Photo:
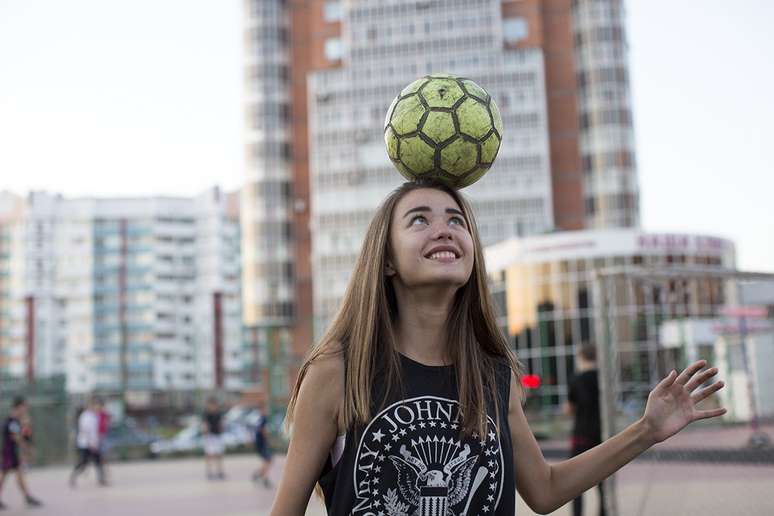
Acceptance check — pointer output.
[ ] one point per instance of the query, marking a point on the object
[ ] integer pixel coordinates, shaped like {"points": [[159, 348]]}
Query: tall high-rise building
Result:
{"points": [[30, 344], [273, 209], [606, 143], [139, 295], [320, 75]]}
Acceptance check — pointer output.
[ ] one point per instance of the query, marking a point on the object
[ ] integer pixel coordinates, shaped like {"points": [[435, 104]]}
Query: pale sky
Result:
{"points": [[106, 98]]}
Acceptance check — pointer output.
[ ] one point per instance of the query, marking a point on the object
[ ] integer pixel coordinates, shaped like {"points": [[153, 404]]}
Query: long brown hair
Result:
{"points": [[364, 328]]}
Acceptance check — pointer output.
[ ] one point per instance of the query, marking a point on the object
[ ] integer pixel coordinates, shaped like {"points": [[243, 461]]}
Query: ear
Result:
{"points": [[389, 269]]}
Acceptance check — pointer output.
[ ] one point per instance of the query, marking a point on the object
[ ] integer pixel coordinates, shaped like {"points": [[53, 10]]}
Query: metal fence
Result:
{"points": [[635, 310], [49, 412]]}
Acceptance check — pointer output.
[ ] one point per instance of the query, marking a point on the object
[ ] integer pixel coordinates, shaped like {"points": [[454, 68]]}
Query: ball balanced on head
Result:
{"points": [[443, 127]]}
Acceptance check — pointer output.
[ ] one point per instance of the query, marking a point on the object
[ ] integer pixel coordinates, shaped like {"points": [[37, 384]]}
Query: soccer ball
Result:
{"points": [[443, 127]]}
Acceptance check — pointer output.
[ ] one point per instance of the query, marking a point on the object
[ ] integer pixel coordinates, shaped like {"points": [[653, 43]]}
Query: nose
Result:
{"points": [[442, 232]]}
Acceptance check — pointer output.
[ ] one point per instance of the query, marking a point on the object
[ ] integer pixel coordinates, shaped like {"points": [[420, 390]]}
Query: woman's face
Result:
{"points": [[431, 243]]}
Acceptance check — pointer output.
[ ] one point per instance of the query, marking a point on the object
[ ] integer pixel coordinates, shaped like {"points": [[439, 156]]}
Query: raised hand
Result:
{"points": [[672, 403]]}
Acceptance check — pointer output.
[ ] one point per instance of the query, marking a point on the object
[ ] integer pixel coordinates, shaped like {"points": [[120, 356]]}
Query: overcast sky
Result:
{"points": [[103, 98]]}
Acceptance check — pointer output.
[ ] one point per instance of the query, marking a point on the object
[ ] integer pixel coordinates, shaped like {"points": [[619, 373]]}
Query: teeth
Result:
{"points": [[442, 254]]}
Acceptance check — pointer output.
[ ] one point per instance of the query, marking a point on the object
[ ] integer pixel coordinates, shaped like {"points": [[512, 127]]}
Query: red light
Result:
{"points": [[530, 381]]}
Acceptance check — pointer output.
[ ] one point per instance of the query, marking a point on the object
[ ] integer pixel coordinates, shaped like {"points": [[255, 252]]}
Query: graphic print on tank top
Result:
{"points": [[410, 462]]}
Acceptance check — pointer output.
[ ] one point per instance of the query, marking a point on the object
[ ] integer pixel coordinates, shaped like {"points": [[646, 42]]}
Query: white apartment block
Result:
{"points": [[384, 47], [122, 295]]}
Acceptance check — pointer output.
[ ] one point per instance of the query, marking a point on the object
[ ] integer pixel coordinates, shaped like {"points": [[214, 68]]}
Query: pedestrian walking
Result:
{"points": [[212, 430], [103, 426], [15, 449], [88, 443], [263, 451]]}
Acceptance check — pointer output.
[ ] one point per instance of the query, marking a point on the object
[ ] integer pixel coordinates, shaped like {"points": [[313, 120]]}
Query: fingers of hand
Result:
{"points": [[666, 382], [700, 378], [705, 414], [704, 393], [689, 371]]}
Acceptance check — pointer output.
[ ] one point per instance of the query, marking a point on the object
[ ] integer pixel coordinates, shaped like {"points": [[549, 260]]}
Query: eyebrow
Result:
{"points": [[427, 208]]}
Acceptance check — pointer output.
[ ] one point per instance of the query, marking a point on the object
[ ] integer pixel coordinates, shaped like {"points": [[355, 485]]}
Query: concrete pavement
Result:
{"points": [[179, 487]]}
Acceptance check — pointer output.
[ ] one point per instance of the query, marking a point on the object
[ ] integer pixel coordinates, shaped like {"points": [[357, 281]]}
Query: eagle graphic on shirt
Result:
{"points": [[411, 461]]}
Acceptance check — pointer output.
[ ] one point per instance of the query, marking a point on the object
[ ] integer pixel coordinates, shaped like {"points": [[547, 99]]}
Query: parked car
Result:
{"points": [[126, 440], [237, 433]]}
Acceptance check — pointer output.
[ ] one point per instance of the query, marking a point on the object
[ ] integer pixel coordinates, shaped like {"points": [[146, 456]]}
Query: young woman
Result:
{"points": [[411, 403]]}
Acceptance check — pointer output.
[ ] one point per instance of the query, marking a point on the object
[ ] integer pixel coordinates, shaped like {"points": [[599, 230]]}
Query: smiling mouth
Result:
{"points": [[443, 256]]}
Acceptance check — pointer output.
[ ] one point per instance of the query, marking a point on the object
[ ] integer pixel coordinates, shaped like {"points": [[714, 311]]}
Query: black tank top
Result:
{"points": [[409, 459]]}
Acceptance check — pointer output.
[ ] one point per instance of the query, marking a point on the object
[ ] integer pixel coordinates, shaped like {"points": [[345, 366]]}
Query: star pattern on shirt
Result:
{"points": [[489, 446]]}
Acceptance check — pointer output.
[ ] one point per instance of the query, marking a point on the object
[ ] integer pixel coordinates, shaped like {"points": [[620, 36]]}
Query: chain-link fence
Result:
{"points": [[49, 412], [649, 321]]}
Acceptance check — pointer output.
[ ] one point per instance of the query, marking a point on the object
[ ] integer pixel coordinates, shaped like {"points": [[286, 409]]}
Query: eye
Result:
{"points": [[457, 220], [418, 218]]}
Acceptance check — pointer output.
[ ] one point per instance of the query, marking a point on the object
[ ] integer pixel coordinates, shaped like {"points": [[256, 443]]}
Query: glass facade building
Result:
{"points": [[545, 287]]}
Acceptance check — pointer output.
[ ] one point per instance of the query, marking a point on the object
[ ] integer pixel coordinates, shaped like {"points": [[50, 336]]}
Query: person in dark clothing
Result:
{"points": [[263, 451], [13, 444], [583, 404], [212, 428]]}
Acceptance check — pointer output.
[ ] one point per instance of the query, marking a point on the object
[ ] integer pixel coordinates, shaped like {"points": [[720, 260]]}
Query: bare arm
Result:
{"points": [[19, 440], [670, 407], [315, 427]]}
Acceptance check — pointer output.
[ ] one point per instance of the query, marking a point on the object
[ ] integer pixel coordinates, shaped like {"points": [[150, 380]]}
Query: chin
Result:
{"points": [[446, 280]]}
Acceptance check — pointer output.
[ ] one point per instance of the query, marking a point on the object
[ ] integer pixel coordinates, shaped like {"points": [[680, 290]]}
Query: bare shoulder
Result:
{"points": [[515, 395], [323, 384], [327, 368]]}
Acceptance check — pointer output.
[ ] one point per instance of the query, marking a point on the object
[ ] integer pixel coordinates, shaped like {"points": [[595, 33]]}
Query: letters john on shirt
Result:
{"points": [[412, 461]]}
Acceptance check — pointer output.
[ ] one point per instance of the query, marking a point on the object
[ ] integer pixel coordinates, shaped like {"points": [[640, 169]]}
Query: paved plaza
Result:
{"points": [[178, 487]]}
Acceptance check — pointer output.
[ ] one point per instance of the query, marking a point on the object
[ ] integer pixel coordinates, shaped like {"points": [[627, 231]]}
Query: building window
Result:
{"points": [[333, 10], [515, 30], [334, 49]]}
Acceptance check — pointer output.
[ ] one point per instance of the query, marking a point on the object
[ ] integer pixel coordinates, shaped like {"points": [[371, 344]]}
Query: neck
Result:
{"points": [[584, 366], [421, 326]]}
